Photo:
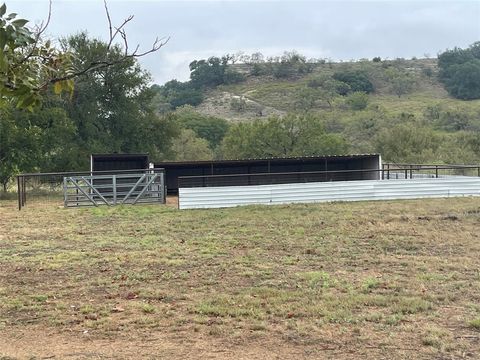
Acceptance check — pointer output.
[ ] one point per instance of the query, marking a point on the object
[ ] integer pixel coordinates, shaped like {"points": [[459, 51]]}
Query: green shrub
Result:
{"points": [[232, 77], [460, 71], [357, 100], [356, 79]]}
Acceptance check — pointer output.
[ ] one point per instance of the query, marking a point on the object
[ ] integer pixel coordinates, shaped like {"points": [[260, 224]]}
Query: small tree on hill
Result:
{"points": [[357, 80], [401, 82], [188, 146], [357, 100]]}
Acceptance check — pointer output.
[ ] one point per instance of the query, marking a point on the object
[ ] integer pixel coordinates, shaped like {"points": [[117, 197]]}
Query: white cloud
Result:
{"points": [[335, 29]]}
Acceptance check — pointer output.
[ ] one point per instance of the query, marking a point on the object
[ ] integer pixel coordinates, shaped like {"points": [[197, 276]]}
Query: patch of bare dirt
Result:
{"points": [[235, 107], [43, 343]]}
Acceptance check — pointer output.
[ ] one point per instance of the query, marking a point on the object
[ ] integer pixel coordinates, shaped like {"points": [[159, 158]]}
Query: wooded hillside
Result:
{"points": [[417, 110]]}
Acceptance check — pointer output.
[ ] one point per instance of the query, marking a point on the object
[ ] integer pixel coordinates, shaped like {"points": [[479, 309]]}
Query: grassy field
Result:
{"points": [[367, 280]]}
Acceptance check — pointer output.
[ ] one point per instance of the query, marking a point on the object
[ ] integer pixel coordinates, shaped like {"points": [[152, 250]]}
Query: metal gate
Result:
{"points": [[132, 188]]}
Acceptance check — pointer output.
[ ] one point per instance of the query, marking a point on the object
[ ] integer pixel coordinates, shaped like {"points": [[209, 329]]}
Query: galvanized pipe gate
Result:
{"points": [[147, 187]]}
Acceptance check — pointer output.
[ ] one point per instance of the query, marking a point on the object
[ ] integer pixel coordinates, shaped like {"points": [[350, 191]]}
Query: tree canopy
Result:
{"points": [[28, 63], [212, 72], [460, 71], [291, 135], [188, 146], [210, 128], [357, 80], [108, 110], [112, 107]]}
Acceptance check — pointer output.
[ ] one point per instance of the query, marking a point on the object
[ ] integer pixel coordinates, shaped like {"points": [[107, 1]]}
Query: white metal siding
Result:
{"points": [[228, 196]]}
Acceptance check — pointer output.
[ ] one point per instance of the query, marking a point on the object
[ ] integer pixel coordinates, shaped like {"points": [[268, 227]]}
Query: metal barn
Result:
{"points": [[105, 162], [282, 170]]}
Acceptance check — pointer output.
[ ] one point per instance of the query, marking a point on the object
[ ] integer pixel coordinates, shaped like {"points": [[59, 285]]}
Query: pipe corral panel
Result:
{"points": [[230, 196]]}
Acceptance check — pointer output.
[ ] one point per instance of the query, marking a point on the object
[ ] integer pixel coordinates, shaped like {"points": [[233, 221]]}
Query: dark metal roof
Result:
{"points": [[118, 154], [272, 159]]}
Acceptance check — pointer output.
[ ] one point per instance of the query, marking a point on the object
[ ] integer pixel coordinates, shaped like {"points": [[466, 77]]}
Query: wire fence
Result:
{"points": [[47, 189], [411, 171], [386, 173]]}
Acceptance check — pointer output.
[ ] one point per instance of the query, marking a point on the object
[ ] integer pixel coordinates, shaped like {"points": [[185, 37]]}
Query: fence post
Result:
{"points": [[24, 195], [65, 194], [19, 194], [163, 188], [436, 171], [114, 185]]}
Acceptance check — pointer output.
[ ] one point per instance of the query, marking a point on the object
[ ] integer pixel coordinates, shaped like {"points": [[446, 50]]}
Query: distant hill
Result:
{"points": [[264, 95], [399, 108]]}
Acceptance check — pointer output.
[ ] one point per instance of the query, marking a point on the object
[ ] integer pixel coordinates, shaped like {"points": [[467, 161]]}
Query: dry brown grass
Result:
{"points": [[391, 280]]}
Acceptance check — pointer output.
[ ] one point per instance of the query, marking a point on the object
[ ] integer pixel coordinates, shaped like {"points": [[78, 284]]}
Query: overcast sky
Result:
{"points": [[326, 29]]}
